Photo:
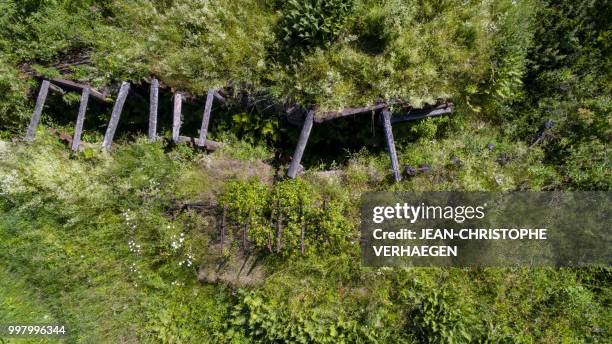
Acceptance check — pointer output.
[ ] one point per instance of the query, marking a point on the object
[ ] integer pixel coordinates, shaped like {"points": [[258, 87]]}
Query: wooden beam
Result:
{"points": [[38, 109], [219, 97], [206, 117], [192, 141], [327, 116], [223, 227], [386, 114], [176, 116], [153, 103], [301, 145], [116, 114], [423, 113], [433, 111], [279, 230], [56, 89], [78, 129], [303, 230], [79, 87]]}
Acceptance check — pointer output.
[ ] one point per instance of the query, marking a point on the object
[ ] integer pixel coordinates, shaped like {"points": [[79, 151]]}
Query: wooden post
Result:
{"points": [[40, 103], [391, 144], [206, 117], [176, 116], [279, 231], [303, 228], [78, 128], [301, 145], [114, 120], [223, 227], [153, 101], [270, 241], [244, 232]]}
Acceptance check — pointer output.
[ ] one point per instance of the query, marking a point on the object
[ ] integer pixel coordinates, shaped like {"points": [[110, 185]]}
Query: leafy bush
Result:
{"points": [[13, 98], [297, 206], [314, 22]]}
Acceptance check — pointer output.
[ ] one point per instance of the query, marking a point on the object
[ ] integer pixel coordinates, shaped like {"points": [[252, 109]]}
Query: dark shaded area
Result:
{"points": [[331, 143]]}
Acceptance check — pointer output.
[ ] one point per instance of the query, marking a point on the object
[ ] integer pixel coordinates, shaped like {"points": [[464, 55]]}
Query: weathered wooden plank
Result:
{"points": [[206, 118], [219, 97], [245, 229], [192, 141], [56, 89], [116, 114], [279, 231], [78, 128], [423, 113], [223, 219], [38, 109], [301, 145], [327, 116], [79, 87], [176, 116], [433, 111], [303, 229], [386, 114], [153, 103]]}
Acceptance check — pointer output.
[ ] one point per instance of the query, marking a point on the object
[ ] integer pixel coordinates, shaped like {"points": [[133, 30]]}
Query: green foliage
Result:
{"points": [[107, 244], [98, 232], [253, 204], [437, 316], [513, 28], [568, 85], [251, 127], [106, 253], [13, 98], [340, 53], [243, 150], [314, 22]]}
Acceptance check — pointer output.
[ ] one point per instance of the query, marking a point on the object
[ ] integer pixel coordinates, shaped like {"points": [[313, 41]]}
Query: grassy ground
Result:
{"points": [[96, 242]]}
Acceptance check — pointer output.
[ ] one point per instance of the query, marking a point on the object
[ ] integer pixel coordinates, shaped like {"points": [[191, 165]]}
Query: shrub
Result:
{"points": [[314, 22]]}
